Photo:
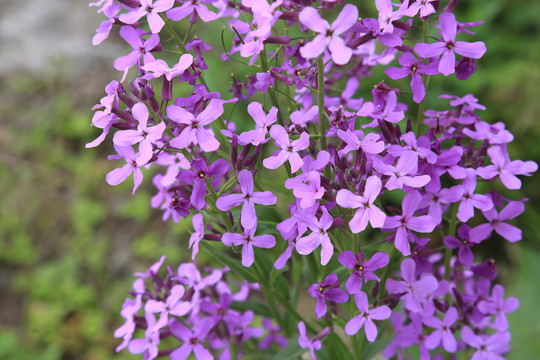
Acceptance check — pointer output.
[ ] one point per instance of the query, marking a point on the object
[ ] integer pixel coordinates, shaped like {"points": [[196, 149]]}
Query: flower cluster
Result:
{"points": [[348, 181], [191, 308]]}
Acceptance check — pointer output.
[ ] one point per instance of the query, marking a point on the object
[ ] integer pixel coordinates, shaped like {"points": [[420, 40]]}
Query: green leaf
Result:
{"points": [[289, 352], [340, 349], [257, 307], [233, 264]]}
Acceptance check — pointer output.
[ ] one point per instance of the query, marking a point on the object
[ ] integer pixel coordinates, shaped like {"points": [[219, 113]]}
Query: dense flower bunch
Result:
{"points": [[342, 163]]}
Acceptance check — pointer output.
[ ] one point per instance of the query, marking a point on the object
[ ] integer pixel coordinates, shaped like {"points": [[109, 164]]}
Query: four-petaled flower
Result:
{"points": [[448, 46], [248, 199], [366, 317], [328, 36]]}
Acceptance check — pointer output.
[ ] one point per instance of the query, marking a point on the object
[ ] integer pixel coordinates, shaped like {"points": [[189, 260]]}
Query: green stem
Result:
{"points": [[269, 295], [215, 197], [320, 96], [422, 105], [272, 92], [175, 36], [452, 232], [393, 255]]}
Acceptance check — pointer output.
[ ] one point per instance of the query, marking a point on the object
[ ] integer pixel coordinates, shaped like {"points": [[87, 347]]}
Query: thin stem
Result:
{"points": [[422, 105], [272, 93], [320, 95]]}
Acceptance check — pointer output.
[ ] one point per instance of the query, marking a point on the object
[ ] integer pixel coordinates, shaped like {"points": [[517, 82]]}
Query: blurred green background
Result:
{"points": [[69, 242]]}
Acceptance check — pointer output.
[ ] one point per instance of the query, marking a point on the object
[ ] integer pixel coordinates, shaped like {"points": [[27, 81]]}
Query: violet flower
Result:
{"points": [[443, 331], [403, 173], [415, 291], [289, 149], [141, 48], [356, 140], [496, 222], [192, 339], [198, 177], [118, 176], [327, 290], [412, 66], [498, 306], [262, 121], [311, 344], [145, 135], [328, 36], [191, 9], [172, 305], [463, 244], [248, 240], [366, 210], [448, 47], [362, 269], [366, 317], [407, 222], [319, 236], [469, 199], [248, 199], [151, 11], [197, 236], [506, 169], [195, 132], [487, 347], [274, 335]]}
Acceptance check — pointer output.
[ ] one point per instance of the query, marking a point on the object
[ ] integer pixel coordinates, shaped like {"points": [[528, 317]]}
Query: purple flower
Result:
{"points": [[118, 176], [469, 199], [356, 140], [506, 169], [362, 269], [192, 339], [366, 317], [448, 47], [289, 149], [498, 306], [407, 222], [248, 199], [327, 290], [319, 236], [400, 174], [172, 305], [197, 236], [145, 136], [311, 344], [328, 36], [309, 193], [262, 121], [198, 177], [507, 231], [192, 8], [366, 210], [443, 332], [387, 111], [141, 48], [463, 244], [195, 132], [151, 11], [413, 67], [248, 241], [416, 291], [487, 347], [274, 335], [148, 345], [160, 68]]}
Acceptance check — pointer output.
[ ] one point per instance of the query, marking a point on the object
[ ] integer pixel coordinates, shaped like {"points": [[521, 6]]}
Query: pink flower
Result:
{"points": [[328, 35]]}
